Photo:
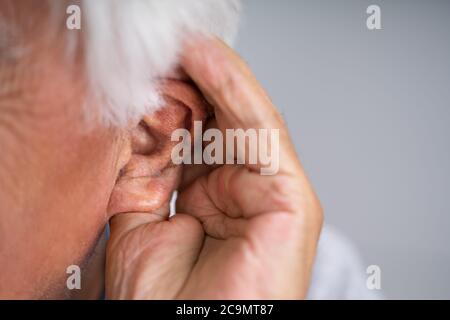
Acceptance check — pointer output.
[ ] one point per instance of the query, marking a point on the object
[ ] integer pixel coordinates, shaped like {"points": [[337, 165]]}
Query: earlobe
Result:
{"points": [[149, 178]]}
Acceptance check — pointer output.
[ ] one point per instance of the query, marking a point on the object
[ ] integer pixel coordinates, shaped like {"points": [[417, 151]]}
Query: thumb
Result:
{"points": [[121, 223]]}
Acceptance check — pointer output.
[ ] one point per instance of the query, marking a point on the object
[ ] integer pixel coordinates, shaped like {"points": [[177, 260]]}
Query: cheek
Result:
{"points": [[83, 184], [80, 192], [69, 182]]}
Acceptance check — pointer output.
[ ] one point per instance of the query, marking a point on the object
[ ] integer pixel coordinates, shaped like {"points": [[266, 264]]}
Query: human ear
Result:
{"points": [[148, 176]]}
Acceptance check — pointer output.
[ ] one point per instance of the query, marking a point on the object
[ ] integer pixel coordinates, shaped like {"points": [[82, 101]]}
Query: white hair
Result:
{"points": [[128, 45]]}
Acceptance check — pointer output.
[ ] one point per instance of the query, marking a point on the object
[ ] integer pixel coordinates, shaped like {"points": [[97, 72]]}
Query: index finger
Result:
{"points": [[238, 99], [228, 84]]}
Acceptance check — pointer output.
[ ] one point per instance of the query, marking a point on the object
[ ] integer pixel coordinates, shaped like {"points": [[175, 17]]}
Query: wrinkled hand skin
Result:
{"points": [[237, 234]]}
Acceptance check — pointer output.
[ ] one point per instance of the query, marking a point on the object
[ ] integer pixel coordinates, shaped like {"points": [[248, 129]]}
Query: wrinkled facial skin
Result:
{"points": [[55, 181], [61, 181]]}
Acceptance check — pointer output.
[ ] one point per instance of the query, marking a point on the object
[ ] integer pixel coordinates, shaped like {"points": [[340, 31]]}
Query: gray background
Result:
{"points": [[369, 112]]}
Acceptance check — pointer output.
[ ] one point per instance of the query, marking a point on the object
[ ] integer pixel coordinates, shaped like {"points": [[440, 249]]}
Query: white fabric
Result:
{"points": [[338, 271]]}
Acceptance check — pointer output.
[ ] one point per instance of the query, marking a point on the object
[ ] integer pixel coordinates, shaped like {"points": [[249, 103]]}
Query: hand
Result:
{"points": [[237, 234]]}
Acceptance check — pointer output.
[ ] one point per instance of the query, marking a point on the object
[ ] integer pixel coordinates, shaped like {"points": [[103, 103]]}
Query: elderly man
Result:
{"points": [[86, 117]]}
